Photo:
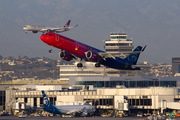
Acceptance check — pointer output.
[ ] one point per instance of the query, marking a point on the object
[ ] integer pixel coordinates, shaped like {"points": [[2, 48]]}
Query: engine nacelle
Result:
{"points": [[50, 30], [92, 56], [34, 31], [65, 56], [84, 113]]}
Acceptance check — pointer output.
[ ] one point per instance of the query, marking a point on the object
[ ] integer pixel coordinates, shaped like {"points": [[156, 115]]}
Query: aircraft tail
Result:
{"points": [[46, 102], [133, 58], [67, 24]]}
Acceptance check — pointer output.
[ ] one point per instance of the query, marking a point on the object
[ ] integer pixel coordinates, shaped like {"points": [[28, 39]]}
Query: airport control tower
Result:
{"points": [[118, 43]]}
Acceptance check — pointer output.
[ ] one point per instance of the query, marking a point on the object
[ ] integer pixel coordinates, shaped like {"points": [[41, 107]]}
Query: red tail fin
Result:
{"points": [[67, 24]]}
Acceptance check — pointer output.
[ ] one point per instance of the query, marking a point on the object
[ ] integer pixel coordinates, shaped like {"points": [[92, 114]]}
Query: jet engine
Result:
{"points": [[84, 113], [92, 56], [34, 31], [50, 30], [65, 56]]}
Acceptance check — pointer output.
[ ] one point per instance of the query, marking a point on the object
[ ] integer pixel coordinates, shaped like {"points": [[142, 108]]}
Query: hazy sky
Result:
{"points": [[152, 23]]}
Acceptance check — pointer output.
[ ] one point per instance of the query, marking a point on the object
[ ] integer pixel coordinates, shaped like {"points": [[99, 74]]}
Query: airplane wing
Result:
{"points": [[52, 29], [113, 55], [72, 26], [38, 108], [58, 29]]}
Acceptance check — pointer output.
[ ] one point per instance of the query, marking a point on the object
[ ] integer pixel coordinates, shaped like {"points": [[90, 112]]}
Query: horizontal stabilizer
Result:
{"points": [[144, 48], [141, 66]]}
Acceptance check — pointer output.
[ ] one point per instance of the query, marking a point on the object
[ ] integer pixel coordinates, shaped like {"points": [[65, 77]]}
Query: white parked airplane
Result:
{"points": [[43, 29], [71, 110]]}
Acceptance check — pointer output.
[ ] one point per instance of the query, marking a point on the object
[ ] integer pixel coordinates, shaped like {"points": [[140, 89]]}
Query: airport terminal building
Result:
{"points": [[127, 94]]}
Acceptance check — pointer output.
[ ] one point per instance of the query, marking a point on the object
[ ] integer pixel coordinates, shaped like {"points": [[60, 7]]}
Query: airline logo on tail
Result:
{"points": [[67, 25], [133, 58], [45, 100]]}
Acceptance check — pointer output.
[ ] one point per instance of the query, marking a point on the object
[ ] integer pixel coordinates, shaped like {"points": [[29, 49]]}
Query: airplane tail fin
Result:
{"points": [[133, 58], [67, 24], [46, 102]]}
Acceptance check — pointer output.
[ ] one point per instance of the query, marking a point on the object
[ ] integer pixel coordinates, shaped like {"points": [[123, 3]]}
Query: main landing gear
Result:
{"points": [[97, 65], [79, 64]]}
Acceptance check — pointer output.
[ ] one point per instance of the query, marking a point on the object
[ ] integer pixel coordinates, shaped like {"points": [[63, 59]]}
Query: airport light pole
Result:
{"points": [[154, 94]]}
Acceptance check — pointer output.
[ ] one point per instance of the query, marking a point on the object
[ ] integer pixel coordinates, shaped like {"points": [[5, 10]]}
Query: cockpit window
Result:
{"points": [[48, 34]]}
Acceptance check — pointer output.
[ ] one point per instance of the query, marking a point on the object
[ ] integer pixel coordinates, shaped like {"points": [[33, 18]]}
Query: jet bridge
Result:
{"points": [[169, 105]]}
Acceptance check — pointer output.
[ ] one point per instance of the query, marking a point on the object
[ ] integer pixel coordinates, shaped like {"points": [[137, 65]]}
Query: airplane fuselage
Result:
{"points": [[65, 109], [41, 28]]}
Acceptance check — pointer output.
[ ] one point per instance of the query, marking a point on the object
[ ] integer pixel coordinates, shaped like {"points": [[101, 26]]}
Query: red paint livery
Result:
{"points": [[76, 48]]}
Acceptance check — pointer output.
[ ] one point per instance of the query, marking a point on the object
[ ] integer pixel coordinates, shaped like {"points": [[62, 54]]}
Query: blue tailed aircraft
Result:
{"points": [[70, 110]]}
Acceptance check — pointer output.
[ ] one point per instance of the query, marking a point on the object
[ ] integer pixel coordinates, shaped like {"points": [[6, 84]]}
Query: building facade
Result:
{"points": [[175, 65], [127, 82], [2, 97], [88, 69]]}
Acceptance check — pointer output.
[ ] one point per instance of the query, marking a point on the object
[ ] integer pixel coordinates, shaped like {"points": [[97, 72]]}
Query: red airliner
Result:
{"points": [[74, 49]]}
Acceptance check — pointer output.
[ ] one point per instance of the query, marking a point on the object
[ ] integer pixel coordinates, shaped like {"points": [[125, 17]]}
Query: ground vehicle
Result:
{"points": [[139, 114], [37, 115], [177, 114], [22, 115]]}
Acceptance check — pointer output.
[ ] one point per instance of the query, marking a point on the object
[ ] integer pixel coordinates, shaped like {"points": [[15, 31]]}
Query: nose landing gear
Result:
{"points": [[50, 51]]}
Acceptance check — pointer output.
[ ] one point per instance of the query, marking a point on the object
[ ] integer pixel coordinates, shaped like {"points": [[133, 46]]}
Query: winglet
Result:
{"points": [[144, 48]]}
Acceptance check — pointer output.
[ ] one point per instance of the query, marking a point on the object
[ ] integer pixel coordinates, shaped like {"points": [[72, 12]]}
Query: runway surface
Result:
{"points": [[76, 118]]}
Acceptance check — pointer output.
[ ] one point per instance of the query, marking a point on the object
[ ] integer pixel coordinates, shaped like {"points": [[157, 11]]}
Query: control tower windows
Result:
{"points": [[118, 37], [108, 50], [118, 44]]}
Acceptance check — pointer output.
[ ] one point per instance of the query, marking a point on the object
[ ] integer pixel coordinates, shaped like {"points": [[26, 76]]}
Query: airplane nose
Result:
{"points": [[42, 38]]}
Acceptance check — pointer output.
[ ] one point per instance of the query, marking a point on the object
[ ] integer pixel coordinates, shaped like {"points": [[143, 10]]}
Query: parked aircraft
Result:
{"points": [[43, 29], [71, 110], [74, 49]]}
